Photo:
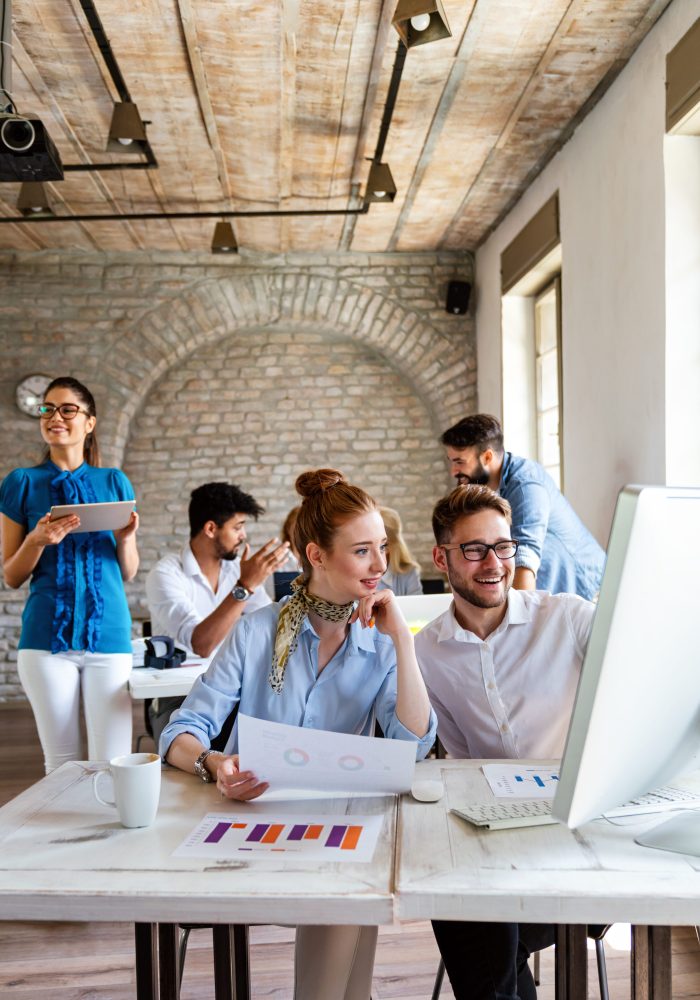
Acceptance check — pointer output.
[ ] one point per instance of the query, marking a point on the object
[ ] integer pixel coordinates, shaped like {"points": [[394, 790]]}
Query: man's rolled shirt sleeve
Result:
{"points": [[530, 506]]}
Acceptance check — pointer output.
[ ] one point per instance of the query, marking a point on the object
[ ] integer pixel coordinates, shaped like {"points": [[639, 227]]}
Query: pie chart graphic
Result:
{"points": [[296, 757], [349, 762]]}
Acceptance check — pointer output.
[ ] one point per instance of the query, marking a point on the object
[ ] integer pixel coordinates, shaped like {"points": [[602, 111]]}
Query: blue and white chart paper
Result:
{"points": [[515, 781], [293, 757]]}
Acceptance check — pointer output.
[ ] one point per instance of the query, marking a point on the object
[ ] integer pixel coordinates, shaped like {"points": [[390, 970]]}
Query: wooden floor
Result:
{"points": [[45, 961]]}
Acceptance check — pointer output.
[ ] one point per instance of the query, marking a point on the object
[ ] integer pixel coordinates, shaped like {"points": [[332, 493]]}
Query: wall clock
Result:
{"points": [[30, 392]]}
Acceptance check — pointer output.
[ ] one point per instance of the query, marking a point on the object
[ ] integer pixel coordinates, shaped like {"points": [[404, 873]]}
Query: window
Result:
{"points": [[548, 379]]}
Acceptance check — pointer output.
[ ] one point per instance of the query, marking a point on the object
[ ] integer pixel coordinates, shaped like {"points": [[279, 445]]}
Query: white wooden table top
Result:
{"points": [[145, 682], [448, 869], [63, 856]]}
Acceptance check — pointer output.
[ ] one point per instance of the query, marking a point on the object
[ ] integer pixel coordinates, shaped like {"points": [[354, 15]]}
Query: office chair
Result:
{"points": [[146, 633], [596, 932]]}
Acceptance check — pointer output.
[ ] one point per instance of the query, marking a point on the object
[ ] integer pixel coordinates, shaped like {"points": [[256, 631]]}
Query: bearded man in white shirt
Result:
{"points": [[501, 668], [196, 596]]}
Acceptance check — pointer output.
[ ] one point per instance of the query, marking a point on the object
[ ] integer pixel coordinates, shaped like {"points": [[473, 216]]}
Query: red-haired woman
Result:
{"points": [[76, 628], [334, 656]]}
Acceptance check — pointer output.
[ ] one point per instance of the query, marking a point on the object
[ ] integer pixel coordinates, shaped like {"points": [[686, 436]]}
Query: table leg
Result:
{"points": [[651, 963], [231, 969], [146, 954], [571, 963], [168, 935]]}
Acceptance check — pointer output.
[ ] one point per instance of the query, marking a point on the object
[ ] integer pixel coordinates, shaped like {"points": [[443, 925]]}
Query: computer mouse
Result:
{"points": [[427, 791]]}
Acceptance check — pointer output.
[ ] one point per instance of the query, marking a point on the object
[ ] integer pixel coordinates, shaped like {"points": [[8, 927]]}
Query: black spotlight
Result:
{"points": [[26, 150]]}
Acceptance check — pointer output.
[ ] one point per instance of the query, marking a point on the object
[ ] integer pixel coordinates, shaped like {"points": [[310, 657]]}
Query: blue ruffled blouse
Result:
{"points": [[76, 593]]}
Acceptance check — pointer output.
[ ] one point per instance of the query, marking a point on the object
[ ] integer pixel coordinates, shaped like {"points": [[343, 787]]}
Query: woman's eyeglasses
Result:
{"points": [[69, 411], [477, 551]]}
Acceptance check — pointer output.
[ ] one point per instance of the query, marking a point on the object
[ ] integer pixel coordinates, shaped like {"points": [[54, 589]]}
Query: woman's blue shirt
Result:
{"points": [[76, 596]]}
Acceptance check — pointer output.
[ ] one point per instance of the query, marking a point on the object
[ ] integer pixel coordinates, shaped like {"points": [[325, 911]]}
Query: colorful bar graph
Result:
{"points": [[341, 838], [335, 837], [257, 833], [217, 833], [351, 838], [273, 833]]}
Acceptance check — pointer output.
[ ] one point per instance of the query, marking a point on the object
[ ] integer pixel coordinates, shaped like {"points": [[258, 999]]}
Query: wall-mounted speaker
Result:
{"points": [[458, 293]]}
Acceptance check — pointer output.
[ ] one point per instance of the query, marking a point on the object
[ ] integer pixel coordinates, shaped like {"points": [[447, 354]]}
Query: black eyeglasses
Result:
{"points": [[477, 551], [69, 411]]}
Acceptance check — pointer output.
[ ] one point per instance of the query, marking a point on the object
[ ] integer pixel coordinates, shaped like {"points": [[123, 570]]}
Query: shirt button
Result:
{"points": [[504, 728], [490, 685]]}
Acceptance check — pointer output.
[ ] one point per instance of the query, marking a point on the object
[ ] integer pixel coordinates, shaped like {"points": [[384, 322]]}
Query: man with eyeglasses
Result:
{"points": [[501, 667], [557, 552]]}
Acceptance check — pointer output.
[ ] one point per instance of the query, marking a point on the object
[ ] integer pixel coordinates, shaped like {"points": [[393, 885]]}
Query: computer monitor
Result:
{"points": [[636, 718]]}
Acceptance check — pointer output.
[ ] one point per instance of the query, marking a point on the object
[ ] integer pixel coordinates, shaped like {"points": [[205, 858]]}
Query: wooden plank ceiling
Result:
{"points": [[276, 104]]}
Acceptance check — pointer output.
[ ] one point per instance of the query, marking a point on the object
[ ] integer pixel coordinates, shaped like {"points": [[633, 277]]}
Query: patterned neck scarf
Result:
{"points": [[289, 626]]}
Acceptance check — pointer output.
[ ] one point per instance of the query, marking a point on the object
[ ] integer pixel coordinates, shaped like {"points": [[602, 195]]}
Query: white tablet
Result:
{"points": [[97, 516]]}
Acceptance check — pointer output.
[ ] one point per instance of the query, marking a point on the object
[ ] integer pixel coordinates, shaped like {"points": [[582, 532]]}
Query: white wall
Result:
{"points": [[610, 178], [682, 158]]}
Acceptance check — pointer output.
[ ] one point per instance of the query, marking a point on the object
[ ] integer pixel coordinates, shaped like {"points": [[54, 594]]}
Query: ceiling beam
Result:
{"points": [[199, 77], [477, 19], [653, 13], [359, 166]]}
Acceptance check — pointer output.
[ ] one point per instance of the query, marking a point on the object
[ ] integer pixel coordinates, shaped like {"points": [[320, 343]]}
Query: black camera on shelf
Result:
{"points": [[162, 653]]}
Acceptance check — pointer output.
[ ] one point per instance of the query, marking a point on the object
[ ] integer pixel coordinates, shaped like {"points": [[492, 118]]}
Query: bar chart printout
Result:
{"points": [[517, 781], [283, 838]]}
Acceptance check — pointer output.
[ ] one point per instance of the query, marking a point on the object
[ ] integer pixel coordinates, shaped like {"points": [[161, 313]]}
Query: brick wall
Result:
{"points": [[248, 370]]}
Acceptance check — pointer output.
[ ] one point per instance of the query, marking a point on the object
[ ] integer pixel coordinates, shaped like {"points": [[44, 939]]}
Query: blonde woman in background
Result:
{"points": [[403, 572]]}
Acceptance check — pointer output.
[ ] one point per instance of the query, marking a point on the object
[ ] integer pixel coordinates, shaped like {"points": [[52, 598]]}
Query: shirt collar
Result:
{"points": [[191, 567], [505, 470], [517, 613]]}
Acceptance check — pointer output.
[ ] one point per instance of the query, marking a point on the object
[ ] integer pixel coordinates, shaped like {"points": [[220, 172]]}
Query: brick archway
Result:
{"points": [[438, 367]]}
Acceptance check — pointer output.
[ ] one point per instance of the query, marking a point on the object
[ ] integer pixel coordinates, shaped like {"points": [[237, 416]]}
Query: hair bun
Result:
{"points": [[317, 481]]}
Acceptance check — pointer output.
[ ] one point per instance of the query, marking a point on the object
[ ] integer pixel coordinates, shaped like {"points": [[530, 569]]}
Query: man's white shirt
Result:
{"points": [[511, 694], [180, 596]]}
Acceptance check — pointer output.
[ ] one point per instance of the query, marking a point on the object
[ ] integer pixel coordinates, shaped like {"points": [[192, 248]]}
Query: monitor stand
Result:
{"points": [[680, 834]]}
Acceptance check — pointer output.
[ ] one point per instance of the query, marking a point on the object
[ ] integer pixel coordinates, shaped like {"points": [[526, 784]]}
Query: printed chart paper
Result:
{"points": [[295, 757], [283, 838], [513, 781]]}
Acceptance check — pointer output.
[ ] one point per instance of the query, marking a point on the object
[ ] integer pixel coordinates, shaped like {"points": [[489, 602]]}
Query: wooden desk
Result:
{"points": [[450, 870], [64, 857]]}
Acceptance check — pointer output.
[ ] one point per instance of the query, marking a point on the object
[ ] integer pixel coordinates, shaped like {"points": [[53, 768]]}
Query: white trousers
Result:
{"points": [[53, 682], [334, 963]]}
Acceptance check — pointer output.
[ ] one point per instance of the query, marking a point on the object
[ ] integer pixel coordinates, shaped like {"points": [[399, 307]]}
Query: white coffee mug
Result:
{"points": [[136, 779]]}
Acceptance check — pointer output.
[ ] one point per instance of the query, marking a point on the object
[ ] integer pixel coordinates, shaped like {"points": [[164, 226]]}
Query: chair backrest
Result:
{"points": [[431, 586], [282, 582]]}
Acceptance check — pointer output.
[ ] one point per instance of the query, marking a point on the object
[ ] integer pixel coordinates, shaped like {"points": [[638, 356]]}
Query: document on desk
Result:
{"points": [[283, 838], [293, 757], [516, 781]]}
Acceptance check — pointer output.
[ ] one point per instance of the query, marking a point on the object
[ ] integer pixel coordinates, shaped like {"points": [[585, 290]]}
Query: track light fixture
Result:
{"points": [[420, 21], [224, 240], [127, 133], [33, 199], [380, 184]]}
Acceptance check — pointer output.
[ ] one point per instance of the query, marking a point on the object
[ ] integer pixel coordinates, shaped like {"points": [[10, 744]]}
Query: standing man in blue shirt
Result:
{"points": [[556, 551]]}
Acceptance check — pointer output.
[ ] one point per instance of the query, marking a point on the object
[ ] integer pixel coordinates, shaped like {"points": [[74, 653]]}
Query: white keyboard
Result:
{"points": [[506, 815], [537, 812]]}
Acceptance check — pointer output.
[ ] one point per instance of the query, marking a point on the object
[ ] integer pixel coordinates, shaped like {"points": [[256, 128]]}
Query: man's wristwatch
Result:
{"points": [[200, 768], [240, 592]]}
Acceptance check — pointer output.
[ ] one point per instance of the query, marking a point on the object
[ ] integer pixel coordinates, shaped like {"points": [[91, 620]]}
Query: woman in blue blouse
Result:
{"points": [[76, 628], [335, 656]]}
